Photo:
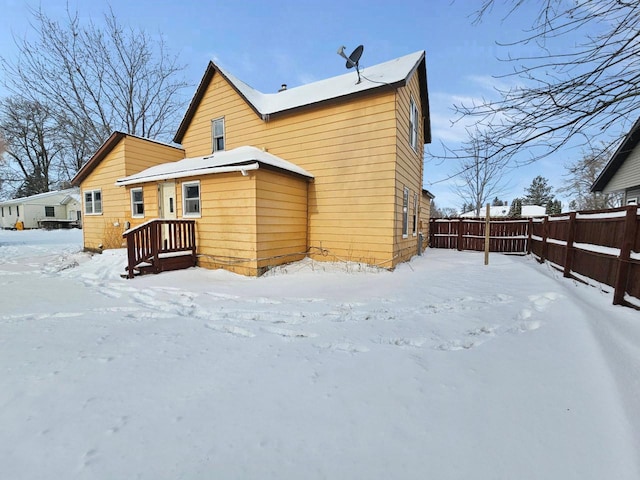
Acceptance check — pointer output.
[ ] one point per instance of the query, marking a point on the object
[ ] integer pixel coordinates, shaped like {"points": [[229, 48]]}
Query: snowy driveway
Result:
{"points": [[443, 369]]}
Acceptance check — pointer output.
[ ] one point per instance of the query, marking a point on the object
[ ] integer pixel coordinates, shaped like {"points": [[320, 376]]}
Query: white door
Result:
{"points": [[167, 208], [167, 200]]}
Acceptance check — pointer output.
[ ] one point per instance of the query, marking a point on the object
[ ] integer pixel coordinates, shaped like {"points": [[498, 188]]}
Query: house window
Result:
{"points": [[217, 128], [2, 208], [405, 213], [137, 203], [49, 211], [413, 125], [632, 201], [9, 211], [191, 199], [93, 202], [415, 214]]}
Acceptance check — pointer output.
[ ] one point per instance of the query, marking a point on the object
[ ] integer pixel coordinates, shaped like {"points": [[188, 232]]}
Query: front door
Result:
{"points": [[167, 200], [167, 208]]}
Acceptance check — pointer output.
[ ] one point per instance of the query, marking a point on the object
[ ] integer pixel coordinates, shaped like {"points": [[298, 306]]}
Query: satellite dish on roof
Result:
{"points": [[353, 59]]}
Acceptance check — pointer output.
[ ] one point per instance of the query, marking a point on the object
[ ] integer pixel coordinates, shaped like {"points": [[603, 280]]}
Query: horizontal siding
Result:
{"points": [[105, 230], [281, 207], [628, 175]]}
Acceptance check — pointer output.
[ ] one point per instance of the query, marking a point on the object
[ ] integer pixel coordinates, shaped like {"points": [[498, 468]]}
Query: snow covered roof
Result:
{"points": [[40, 196], [503, 211], [239, 159], [494, 212], [391, 74], [533, 211]]}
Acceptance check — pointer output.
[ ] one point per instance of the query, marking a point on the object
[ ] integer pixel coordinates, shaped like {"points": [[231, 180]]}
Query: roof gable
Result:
{"points": [[108, 145], [627, 146], [39, 196], [388, 75]]}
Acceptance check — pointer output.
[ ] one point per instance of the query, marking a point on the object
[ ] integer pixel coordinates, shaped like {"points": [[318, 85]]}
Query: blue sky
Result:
{"points": [[294, 42]]}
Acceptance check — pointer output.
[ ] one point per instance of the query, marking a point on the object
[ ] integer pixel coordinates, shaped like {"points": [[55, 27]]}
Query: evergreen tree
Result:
{"points": [[553, 207], [516, 208], [539, 192]]}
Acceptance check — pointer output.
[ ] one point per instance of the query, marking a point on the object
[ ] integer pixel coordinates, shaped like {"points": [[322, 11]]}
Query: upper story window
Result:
{"points": [[217, 129], [413, 124], [93, 202], [137, 202], [191, 199], [49, 211]]}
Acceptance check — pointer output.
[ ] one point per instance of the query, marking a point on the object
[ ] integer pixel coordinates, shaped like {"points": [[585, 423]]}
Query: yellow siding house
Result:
{"points": [[331, 170]]}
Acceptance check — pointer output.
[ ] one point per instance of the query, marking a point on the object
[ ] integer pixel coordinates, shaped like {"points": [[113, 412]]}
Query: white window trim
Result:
{"points": [[405, 213], [413, 124], [93, 202], [133, 210], [184, 200], [213, 135], [415, 214], [632, 201]]}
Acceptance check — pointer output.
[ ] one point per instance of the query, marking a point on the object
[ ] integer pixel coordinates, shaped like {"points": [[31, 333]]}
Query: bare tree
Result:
{"points": [[480, 173], [32, 145], [97, 79], [579, 178], [570, 95]]}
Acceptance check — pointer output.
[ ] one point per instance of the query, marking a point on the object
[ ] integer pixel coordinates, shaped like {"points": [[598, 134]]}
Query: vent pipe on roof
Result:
{"points": [[283, 87]]}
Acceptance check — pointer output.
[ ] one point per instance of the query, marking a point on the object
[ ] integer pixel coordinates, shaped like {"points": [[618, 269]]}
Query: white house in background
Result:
{"points": [[62, 208], [528, 211], [622, 173]]}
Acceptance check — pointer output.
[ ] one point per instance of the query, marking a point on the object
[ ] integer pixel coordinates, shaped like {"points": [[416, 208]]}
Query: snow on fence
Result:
{"points": [[603, 245]]}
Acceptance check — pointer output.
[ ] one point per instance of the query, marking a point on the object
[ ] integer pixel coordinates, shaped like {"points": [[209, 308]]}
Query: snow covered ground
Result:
{"points": [[443, 369]]}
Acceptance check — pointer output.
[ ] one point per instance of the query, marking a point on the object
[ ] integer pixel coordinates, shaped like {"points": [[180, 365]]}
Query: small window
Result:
{"points": [[137, 203], [632, 201], [93, 202], [415, 214], [17, 210], [405, 213], [2, 208], [217, 128], [49, 212], [413, 125], [191, 199], [9, 211]]}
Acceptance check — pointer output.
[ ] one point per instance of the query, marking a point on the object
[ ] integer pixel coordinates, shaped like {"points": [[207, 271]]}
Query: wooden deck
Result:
{"points": [[159, 246]]}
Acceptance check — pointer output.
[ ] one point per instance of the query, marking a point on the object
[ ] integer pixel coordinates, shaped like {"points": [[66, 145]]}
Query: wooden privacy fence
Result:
{"points": [[505, 235], [603, 245]]}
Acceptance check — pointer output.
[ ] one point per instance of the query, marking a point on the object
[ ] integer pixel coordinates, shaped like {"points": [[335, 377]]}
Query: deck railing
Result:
{"points": [[156, 239]]}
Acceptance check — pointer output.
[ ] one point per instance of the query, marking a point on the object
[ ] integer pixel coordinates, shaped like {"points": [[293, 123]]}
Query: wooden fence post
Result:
{"points": [[568, 254], [459, 234], [529, 236], [487, 234], [545, 234], [628, 237]]}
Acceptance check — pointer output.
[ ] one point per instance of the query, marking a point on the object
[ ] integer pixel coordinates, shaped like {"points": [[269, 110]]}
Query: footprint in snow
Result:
{"points": [[231, 329], [283, 332]]}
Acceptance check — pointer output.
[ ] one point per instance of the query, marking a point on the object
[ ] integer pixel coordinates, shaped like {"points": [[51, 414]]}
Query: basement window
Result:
{"points": [[191, 199]]}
